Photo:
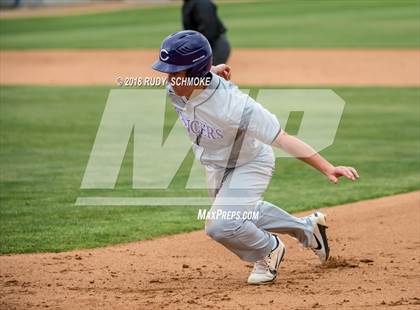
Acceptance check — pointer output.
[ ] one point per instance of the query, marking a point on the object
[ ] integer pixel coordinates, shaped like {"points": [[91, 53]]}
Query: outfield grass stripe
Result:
{"points": [[143, 201], [288, 23], [161, 201]]}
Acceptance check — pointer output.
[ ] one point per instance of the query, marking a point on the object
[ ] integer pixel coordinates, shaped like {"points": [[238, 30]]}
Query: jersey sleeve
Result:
{"points": [[259, 123]]}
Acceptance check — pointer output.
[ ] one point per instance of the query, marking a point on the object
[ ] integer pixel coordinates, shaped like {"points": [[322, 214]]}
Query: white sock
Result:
{"points": [[275, 243]]}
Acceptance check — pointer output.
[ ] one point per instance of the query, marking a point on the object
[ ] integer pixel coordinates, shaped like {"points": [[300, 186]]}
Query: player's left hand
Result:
{"points": [[222, 70], [341, 171]]}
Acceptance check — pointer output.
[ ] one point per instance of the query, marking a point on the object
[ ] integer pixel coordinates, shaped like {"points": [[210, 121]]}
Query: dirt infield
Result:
{"points": [[375, 264], [266, 67]]}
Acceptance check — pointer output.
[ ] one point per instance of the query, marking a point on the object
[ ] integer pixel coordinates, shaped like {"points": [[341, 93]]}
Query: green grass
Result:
{"points": [[47, 134], [275, 24]]}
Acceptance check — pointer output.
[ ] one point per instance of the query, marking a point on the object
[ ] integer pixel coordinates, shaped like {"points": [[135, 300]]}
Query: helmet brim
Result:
{"points": [[169, 68]]}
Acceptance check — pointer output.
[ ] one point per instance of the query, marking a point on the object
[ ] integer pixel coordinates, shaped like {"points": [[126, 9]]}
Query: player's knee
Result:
{"points": [[217, 230], [213, 230]]}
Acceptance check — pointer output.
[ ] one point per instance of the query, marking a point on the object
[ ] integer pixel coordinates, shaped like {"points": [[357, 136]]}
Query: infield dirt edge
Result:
{"points": [[375, 245]]}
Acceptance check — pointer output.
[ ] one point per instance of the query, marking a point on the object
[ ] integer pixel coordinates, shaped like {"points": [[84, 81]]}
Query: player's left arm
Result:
{"points": [[307, 154]]}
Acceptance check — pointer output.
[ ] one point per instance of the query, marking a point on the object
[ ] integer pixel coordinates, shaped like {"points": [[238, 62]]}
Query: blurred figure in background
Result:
{"points": [[9, 4], [201, 16]]}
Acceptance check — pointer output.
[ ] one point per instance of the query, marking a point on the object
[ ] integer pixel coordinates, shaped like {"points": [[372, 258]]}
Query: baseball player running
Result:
{"points": [[232, 137]]}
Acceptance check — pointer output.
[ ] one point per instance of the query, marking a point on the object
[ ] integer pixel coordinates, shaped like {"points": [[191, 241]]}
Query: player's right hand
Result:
{"points": [[222, 70]]}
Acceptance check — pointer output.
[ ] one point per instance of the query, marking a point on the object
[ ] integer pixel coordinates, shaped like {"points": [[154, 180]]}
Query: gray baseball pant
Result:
{"points": [[240, 189]]}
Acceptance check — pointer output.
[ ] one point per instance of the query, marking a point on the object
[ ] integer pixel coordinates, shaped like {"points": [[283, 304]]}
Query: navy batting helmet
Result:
{"points": [[185, 50]]}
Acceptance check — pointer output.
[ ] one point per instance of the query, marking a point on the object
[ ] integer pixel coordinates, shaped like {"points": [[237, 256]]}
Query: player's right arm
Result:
{"points": [[307, 154]]}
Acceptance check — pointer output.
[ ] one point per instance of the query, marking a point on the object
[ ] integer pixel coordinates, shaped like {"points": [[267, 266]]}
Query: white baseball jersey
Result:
{"points": [[227, 127]]}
